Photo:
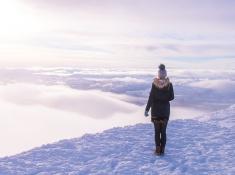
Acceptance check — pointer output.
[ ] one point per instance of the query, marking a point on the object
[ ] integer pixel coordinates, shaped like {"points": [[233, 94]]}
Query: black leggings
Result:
{"points": [[160, 131]]}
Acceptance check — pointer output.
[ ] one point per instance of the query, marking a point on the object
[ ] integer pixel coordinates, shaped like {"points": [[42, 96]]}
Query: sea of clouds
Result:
{"points": [[42, 105]]}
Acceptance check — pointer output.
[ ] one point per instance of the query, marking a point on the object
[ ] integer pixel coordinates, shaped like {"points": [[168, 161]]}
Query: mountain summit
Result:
{"points": [[193, 147]]}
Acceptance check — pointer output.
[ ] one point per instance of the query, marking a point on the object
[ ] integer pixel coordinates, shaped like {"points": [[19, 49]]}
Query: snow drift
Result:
{"points": [[193, 147]]}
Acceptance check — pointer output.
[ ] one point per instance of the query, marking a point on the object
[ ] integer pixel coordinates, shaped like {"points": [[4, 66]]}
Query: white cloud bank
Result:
{"points": [[222, 86], [95, 104], [32, 115]]}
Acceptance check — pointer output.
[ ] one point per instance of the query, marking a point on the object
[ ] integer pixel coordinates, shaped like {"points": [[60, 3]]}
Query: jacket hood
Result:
{"points": [[161, 83]]}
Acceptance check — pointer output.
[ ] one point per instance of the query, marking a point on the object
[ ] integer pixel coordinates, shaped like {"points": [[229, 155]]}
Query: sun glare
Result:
{"points": [[16, 21]]}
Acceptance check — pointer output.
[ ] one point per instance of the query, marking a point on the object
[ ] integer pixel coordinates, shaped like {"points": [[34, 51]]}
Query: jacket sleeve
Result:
{"points": [[172, 96], [150, 100]]}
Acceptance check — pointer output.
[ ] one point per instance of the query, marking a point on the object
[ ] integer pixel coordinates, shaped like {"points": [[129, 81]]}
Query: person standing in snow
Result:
{"points": [[161, 93]]}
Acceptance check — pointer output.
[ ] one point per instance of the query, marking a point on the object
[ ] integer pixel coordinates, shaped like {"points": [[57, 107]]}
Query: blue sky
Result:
{"points": [[110, 33]]}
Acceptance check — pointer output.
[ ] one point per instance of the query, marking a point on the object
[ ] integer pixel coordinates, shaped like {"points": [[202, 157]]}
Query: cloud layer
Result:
{"points": [[32, 115], [94, 104]]}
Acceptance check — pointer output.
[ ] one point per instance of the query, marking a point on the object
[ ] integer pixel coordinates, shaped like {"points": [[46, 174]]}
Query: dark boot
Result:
{"points": [[158, 150], [162, 150]]}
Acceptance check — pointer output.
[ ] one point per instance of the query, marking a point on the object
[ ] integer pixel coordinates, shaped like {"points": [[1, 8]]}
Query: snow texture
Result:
{"points": [[193, 147]]}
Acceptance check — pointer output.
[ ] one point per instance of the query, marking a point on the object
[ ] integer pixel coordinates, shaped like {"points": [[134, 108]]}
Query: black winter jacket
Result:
{"points": [[161, 93]]}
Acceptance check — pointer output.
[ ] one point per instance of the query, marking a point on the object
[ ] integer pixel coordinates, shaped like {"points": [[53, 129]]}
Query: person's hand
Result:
{"points": [[146, 114]]}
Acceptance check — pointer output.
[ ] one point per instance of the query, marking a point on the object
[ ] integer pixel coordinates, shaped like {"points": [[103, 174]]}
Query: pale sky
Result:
{"points": [[111, 32]]}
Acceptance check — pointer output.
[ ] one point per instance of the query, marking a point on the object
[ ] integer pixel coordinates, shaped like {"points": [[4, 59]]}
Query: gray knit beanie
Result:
{"points": [[162, 73]]}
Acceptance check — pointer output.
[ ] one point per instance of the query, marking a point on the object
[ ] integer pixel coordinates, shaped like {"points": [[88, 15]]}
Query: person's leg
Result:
{"points": [[163, 134], [157, 135]]}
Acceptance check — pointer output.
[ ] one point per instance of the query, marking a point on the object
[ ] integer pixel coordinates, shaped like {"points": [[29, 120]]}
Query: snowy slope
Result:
{"points": [[223, 118], [194, 147]]}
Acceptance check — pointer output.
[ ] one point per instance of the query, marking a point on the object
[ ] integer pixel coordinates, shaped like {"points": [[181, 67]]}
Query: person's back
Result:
{"points": [[161, 93]]}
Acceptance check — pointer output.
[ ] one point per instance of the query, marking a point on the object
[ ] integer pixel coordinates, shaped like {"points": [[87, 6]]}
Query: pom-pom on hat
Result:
{"points": [[162, 73], [162, 67]]}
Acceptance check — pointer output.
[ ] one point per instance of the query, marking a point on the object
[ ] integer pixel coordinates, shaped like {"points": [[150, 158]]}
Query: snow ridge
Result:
{"points": [[193, 147], [223, 118]]}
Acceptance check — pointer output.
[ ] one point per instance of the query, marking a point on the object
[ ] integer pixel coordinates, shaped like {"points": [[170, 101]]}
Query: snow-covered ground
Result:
{"points": [[193, 147]]}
